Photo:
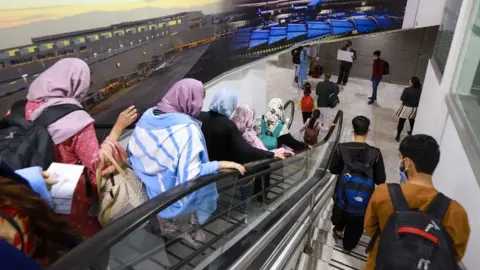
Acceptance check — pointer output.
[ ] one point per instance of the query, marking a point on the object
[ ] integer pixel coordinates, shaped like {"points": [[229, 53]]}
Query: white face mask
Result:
{"points": [[403, 171]]}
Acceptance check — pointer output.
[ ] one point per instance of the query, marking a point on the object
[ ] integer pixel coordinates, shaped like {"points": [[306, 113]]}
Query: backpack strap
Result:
{"points": [[345, 153], [438, 207], [15, 225], [277, 130], [371, 155], [398, 199], [263, 130], [18, 108], [52, 114]]}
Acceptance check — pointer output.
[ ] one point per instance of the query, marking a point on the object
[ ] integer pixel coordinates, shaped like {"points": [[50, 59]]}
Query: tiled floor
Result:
{"points": [[353, 102]]}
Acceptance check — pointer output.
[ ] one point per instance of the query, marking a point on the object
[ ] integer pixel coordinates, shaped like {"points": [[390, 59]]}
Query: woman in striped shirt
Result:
{"points": [[166, 149]]}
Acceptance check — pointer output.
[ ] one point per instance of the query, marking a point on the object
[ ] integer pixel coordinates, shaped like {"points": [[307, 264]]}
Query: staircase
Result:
{"points": [[327, 252]]}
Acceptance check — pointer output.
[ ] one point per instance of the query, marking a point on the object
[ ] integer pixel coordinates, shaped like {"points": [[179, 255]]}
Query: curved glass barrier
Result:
{"points": [[212, 238]]}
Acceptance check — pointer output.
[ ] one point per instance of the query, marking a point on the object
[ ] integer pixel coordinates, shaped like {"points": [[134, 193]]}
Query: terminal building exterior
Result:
{"points": [[127, 44]]}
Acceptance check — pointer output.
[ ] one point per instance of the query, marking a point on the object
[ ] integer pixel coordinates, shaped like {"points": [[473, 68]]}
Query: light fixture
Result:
{"points": [[24, 76]]}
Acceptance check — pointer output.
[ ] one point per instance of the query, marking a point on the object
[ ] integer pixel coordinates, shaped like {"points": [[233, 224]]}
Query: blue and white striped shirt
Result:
{"points": [[168, 150]]}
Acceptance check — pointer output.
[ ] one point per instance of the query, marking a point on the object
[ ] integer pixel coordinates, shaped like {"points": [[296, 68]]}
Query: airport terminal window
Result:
{"points": [[466, 88], [445, 32]]}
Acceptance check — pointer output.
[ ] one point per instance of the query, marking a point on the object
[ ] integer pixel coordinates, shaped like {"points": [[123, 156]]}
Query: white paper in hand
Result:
{"points": [[345, 56], [67, 176]]}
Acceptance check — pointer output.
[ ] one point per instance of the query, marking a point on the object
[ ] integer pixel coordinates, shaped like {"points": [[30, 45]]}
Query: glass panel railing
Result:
{"points": [[141, 240], [292, 211]]}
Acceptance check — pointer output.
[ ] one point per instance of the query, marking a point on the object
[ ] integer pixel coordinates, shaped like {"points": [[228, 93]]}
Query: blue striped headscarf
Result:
{"points": [[224, 102]]}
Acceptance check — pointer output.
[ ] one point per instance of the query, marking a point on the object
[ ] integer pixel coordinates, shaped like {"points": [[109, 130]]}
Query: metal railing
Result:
{"points": [[124, 226]]}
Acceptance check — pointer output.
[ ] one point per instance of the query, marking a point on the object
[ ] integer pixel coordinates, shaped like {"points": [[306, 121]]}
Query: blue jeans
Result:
{"points": [[375, 83]]}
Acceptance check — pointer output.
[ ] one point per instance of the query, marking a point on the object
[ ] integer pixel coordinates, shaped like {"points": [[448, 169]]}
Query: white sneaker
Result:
{"points": [[200, 236], [189, 237]]}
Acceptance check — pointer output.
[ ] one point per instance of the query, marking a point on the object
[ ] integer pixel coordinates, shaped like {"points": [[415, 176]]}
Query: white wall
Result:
{"points": [[454, 175], [249, 83], [454, 178], [423, 13], [432, 111]]}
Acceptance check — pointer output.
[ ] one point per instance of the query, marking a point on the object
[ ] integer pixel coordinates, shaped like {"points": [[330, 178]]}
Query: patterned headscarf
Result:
{"points": [[185, 96], [275, 115], [224, 102]]}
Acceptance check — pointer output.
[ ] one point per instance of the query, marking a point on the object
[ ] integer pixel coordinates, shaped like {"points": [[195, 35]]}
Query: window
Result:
{"points": [[445, 32], [466, 86]]}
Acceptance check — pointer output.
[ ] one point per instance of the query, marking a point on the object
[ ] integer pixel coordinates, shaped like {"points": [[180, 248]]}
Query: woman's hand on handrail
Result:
{"points": [[231, 165]]}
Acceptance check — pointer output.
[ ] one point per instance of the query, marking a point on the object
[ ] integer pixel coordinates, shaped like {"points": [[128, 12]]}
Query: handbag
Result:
{"points": [[118, 193]]}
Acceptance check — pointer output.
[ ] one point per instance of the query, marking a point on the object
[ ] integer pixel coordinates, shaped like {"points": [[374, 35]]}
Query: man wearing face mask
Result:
{"points": [[419, 156], [346, 66], [377, 74]]}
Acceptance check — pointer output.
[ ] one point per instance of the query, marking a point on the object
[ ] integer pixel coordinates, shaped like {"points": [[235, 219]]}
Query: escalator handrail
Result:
{"points": [[118, 230], [249, 256], [292, 112]]}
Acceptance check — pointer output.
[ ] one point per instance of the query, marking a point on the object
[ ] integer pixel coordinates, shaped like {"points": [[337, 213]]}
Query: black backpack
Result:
{"points": [[296, 56], [26, 143], [386, 67], [413, 239], [333, 99]]}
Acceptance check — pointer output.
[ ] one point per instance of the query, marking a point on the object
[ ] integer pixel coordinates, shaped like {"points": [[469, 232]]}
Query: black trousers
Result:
{"points": [[306, 115], [344, 72], [352, 227], [401, 124]]}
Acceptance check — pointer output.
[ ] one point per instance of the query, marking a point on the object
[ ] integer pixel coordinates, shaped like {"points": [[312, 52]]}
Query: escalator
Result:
{"points": [[233, 236]]}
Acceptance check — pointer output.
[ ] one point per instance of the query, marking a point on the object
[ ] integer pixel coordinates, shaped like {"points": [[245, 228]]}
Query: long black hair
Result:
{"points": [[315, 116], [416, 82]]}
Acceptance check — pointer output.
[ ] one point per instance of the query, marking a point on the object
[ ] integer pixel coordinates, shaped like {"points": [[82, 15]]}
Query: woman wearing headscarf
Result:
{"points": [[224, 140], [273, 117], [410, 99], [167, 149], [244, 119], [67, 82]]}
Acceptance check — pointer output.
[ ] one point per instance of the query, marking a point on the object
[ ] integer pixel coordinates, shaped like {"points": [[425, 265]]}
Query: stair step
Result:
{"points": [[308, 262]]}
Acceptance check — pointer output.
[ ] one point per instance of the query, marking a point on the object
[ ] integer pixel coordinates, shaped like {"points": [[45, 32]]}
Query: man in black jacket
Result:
{"points": [[348, 226], [296, 60], [323, 91], [346, 66]]}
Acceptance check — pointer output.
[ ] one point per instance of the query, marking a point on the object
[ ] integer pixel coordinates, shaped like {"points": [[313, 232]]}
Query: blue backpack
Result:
{"points": [[268, 138], [355, 185]]}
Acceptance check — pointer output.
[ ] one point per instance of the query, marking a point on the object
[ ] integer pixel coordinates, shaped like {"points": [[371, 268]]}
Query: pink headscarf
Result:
{"points": [[185, 96], [244, 118], [66, 82]]}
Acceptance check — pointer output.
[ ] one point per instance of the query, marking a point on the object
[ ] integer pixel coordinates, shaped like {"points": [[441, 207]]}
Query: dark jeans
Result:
{"points": [[375, 83], [344, 72], [352, 227], [247, 192], [401, 124], [257, 185], [306, 115]]}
